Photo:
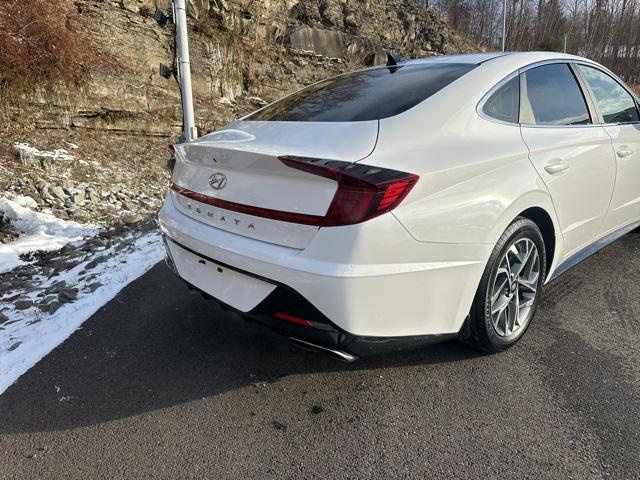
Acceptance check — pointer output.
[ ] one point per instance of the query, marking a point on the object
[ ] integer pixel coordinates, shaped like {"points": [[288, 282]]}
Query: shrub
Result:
{"points": [[551, 44], [40, 42]]}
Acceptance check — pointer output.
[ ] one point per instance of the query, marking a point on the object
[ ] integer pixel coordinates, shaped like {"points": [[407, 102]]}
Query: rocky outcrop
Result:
{"points": [[243, 51]]}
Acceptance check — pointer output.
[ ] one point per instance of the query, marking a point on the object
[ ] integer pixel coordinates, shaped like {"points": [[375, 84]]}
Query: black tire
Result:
{"points": [[481, 333]]}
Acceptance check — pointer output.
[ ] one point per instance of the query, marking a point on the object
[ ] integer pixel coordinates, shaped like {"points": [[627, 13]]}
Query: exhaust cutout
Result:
{"points": [[338, 354]]}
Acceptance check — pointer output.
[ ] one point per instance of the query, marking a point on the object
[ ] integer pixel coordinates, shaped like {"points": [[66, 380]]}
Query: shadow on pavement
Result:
{"points": [[156, 345]]}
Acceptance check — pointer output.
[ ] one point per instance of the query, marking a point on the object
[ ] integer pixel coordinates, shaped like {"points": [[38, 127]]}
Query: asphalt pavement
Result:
{"points": [[162, 384]]}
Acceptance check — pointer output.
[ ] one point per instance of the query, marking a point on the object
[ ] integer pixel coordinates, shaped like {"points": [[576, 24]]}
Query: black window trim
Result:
{"points": [[489, 94], [591, 109], [592, 96], [589, 97]]}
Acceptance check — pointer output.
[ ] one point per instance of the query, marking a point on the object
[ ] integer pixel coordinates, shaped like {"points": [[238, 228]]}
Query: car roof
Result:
{"points": [[480, 58], [470, 58]]}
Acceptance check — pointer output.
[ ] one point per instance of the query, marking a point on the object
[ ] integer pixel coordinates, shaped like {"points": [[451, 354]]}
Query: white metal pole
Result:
{"points": [[504, 25], [184, 69], [565, 43]]}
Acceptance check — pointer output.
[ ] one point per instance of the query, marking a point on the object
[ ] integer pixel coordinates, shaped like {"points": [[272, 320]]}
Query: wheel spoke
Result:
{"points": [[498, 290], [524, 260], [513, 315], [529, 284], [505, 315], [502, 271], [500, 306], [533, 265], [527, 303]]}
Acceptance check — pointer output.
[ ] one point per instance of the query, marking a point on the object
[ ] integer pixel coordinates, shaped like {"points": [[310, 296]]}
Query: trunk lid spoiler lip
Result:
{"points": [[241, 134]]}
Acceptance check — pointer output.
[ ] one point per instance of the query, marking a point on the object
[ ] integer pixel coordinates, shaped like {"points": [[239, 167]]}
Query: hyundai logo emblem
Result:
{"points": [[218, 181]]}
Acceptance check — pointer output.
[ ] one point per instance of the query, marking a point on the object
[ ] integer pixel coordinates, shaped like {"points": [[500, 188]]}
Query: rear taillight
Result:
{"points": [[363, 192]]}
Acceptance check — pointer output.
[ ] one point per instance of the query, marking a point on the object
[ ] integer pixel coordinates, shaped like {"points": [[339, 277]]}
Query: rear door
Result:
{"points": [[621, 119], [572, 154]]}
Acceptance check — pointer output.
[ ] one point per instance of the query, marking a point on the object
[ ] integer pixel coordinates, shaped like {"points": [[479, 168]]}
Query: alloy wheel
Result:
{"points": [[515, 287]]}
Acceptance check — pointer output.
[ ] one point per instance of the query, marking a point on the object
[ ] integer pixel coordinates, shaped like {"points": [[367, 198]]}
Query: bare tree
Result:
{"points": [[607, 31]]}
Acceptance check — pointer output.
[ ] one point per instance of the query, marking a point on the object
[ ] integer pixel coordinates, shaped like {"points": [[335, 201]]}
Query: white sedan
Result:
{"points": [[409, 203]]}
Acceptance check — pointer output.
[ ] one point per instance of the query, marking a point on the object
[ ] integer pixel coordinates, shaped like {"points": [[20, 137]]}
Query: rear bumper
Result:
{"points": [[322, 334], [377, 286]]}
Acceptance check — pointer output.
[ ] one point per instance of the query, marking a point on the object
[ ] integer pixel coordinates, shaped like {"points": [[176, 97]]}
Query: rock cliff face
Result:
{"points": [[244, 52]]}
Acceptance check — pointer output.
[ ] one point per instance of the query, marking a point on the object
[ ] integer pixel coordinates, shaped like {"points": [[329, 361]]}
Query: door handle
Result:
{"points": [[556, 167], [624, 152]]}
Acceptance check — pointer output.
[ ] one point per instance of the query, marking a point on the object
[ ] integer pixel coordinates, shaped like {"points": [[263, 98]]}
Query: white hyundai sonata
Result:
{"points": [[410, 203]]}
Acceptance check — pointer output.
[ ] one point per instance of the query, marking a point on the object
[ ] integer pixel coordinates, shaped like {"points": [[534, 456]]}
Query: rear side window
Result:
{"points": [[366, 95], [504, 103], [551, 96], [616, 104]]}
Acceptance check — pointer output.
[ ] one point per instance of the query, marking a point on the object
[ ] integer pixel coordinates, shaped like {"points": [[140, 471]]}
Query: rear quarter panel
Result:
{"points": [[475, 173]]}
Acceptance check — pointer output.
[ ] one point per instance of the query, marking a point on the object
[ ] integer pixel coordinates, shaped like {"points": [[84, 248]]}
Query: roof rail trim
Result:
{"points": [[504, 54]]}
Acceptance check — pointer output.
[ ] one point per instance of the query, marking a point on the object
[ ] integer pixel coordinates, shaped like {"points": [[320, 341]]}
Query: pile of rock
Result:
{"points": [[49, 300], [107, 181], [91, 201], [8, 232]]}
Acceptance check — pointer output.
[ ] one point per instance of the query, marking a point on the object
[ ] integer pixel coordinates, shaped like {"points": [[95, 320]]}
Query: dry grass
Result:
{"points": [[41, 41]]}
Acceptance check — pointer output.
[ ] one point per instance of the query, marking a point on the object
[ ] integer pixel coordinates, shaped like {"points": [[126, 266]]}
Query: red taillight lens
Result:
{"points": [[364, 192]]}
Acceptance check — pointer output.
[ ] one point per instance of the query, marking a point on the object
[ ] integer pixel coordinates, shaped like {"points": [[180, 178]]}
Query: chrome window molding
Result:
{"points": [[599, 122]]}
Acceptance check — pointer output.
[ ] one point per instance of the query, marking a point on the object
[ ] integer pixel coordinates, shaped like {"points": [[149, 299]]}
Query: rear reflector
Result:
{"points": [[301, 321], [292, 319], [364, 192]]}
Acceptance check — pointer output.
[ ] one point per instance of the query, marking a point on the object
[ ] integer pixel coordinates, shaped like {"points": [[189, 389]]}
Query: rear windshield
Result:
{"points": [[366, 95]]}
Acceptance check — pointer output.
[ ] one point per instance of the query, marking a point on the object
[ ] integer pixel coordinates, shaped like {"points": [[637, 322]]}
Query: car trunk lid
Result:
{"points": [[222, 179]]}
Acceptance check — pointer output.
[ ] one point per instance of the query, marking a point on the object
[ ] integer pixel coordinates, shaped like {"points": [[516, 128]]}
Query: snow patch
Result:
{"points": [[30, 156], [225, 101], [258, 100], [29, 335], [42, 231]]}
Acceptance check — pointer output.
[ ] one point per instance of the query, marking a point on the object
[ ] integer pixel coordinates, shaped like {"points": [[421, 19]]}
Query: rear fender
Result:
{"points": [[532, 199]]}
